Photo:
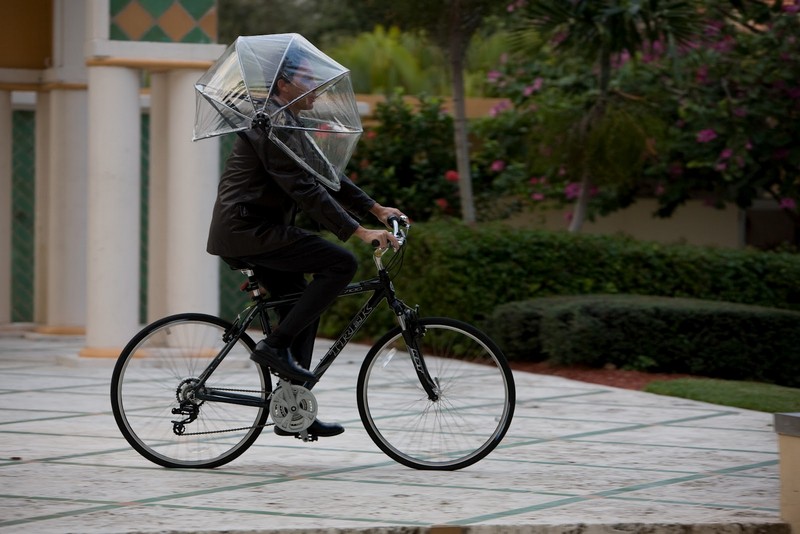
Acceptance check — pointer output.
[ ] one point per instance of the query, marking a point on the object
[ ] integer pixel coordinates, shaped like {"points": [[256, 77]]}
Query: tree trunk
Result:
{"points": [[460, 132], [581, 204], [595, 115]]}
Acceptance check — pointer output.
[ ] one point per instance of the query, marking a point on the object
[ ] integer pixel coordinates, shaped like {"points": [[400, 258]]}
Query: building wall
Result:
{"points": [[26, 40], [695, 223]]}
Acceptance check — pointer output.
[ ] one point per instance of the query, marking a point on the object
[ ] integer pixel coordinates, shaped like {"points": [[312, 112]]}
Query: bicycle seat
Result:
{"points": [[238, 264]]}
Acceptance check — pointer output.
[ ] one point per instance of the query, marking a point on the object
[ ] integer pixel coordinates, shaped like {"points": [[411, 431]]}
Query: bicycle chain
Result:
{"points": [[231, 429]]}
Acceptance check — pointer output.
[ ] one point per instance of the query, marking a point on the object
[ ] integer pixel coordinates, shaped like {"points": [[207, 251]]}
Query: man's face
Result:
{"points": [[300, 83]]}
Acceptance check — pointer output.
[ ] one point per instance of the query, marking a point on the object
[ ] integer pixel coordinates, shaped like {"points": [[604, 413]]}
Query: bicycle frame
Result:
{"points": [[381, 288]]}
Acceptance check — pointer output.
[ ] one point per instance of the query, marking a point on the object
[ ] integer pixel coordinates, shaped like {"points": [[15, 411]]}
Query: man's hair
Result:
{"points": [[292, 61]]}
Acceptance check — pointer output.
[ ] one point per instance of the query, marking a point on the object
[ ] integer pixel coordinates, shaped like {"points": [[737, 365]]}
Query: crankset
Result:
{"points": [[293, 409]]}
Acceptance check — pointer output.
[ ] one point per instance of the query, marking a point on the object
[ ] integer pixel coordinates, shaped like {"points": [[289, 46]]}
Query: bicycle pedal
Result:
{"points": [[305, 436]]}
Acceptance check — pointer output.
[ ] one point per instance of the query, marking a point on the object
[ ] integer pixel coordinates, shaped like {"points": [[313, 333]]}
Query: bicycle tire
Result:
{"points": [[475, 405], [147, 381]]}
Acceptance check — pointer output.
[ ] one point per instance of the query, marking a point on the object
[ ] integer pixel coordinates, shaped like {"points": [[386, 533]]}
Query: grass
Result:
{"points": [[748, 395]]}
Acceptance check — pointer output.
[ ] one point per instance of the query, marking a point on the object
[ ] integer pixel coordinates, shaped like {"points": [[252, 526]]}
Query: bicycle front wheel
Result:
{"points": [[475, 404], [155, 375]]}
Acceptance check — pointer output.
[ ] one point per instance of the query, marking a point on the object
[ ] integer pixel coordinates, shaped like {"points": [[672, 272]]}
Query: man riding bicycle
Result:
{"points": [[261, 192]]}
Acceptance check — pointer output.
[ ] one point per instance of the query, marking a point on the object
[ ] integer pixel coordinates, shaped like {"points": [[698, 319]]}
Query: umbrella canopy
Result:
{"points": [[319, 126]]}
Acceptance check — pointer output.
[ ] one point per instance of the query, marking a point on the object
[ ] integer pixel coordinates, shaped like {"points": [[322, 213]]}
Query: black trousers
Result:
{"points": [[283, 271]]}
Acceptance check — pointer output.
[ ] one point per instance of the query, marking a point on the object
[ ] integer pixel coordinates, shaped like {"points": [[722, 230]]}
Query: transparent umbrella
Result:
{"points": [[319, 127]]}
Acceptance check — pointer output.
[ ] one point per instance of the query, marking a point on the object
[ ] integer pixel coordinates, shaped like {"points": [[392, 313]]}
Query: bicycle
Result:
{"points": [[432, 393]]}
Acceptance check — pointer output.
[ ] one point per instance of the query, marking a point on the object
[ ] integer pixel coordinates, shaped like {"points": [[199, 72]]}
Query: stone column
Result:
{"points": [[787, 425], [157, 208], [41, 209], [5, 206], [193, 170], [66, 219], [113, 222]]}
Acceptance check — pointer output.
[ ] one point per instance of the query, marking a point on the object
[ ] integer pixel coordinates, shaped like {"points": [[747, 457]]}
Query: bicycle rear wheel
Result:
{"points": [[475, 404], [155, 374]]}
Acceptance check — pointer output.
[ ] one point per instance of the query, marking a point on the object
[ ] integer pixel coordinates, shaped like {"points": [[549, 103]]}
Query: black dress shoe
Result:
{"points": [[317, 428], [280, 362]]}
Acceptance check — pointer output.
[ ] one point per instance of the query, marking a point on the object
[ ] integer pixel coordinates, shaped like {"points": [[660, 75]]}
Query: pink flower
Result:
{"points": [[659, 190], [500, 107], [721, 166], [498, 165], [493, 75], [537, 196], [701, 76], [451, 176], [535, 86], [780, 153], [572, 190], [725, 154], [788, 203], [705, 136], [534, 180], [442, 203]]}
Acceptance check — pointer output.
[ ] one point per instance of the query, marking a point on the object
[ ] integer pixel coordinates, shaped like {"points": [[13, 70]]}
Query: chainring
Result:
{"points": [[293, 408]]}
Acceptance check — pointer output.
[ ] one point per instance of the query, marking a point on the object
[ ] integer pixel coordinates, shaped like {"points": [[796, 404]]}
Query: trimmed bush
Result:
{"points": [[658, 334], [465, 272]]}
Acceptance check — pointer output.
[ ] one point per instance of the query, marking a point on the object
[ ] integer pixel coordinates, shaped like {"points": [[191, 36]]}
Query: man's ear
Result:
{"points": [[281, 84]]}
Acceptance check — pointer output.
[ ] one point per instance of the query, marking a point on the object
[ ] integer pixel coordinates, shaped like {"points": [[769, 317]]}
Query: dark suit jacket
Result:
{"points": [[260, 192]]}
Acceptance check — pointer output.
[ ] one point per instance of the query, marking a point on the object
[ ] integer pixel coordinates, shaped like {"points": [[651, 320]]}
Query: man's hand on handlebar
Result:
{"points": [[383, 214], [377, 238], [381, 239]]}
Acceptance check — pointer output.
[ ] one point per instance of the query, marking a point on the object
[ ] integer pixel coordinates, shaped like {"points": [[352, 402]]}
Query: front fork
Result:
{"points": [[413, 332]]}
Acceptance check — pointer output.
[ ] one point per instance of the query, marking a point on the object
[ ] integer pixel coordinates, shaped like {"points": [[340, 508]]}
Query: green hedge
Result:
{"points": [[658, 334], [466, 272]]}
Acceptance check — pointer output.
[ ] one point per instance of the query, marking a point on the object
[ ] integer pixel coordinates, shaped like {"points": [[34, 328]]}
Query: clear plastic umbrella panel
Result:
{"points": [[318, 125]]}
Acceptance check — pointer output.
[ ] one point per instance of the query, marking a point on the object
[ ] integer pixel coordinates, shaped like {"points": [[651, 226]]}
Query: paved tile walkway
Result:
{"points": [[578, 457]]}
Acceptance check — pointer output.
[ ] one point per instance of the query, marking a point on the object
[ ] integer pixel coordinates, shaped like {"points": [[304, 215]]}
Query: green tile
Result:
{"points": [[115, 6], [198, 8], [23, 208], [115, 33], [156, 8], [196, 36], [156, 34]]}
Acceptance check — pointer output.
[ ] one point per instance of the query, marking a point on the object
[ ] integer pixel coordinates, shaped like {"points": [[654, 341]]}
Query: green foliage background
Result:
{"points": [[453, 270]]}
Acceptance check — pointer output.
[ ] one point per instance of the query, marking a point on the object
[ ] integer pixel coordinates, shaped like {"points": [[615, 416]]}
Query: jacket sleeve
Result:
{"points": [[353, 197], [310, 196]]}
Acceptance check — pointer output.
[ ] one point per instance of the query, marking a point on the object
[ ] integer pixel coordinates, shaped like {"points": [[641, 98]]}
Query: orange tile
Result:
{"points": [[134, 21], [208, 23], [176, 22]]}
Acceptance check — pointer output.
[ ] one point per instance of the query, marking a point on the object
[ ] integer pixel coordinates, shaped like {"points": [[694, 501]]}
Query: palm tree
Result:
{"points": [[599, 29]]}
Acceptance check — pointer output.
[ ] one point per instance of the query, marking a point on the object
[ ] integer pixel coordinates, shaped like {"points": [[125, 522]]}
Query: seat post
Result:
{"points": [[252, 284]]}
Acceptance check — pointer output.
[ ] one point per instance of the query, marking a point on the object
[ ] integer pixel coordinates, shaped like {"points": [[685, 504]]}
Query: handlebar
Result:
{"points": [[400, 228]]}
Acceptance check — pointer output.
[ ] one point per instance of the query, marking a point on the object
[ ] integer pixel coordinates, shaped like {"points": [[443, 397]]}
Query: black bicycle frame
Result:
{"points": [[381, 288]]}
